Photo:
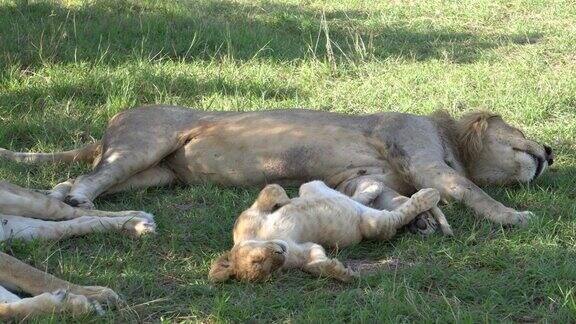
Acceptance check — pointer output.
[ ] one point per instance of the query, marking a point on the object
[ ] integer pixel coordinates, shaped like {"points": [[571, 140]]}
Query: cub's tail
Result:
{"points": [[86, 154]]}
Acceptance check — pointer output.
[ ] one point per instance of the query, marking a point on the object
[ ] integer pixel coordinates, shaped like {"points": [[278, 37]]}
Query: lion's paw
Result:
{"points": [[79, 202], [63, 301], [99, 294], [518, 218], [138, 226]]}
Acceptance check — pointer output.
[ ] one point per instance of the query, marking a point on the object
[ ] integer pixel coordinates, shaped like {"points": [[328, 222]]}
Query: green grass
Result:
{"points": [[66, 67]]}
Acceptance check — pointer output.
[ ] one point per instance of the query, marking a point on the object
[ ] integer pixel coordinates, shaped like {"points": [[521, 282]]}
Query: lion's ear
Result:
{"points": [[471, 130], [221, 269]]}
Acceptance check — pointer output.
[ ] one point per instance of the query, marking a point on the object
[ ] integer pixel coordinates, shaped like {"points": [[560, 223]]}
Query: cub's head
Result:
{"points": [[250, 261], [497, 153]]}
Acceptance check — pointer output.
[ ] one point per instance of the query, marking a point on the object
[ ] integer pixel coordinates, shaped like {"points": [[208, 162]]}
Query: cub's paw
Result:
{"points": [[138, 226], [337, 270], [517, 218], [80, 202], [426, 198]]}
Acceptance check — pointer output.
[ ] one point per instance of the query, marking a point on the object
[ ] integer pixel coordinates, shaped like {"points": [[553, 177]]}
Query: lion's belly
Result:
{"points": [[288, 156]]}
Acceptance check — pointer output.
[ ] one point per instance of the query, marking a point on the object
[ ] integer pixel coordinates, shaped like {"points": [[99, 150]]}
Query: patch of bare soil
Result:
{"points": [[365, 266]]}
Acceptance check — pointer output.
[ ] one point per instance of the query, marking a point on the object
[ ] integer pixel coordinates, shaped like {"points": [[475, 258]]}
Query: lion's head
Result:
{"points": [[250, 261], [496, 153]]}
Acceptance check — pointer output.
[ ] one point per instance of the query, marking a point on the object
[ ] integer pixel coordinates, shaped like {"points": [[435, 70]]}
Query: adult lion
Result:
{"points": [[159, 145]]}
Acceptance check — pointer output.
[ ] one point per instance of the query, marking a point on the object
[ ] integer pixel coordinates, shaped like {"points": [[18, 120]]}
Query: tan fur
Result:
{"points": [[159, 145], [85, 154], [471, 130], [28, 215], [293, 235]]}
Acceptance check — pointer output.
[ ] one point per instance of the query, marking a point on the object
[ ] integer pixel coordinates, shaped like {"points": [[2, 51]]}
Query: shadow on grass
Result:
{"points": [[111, 32]]}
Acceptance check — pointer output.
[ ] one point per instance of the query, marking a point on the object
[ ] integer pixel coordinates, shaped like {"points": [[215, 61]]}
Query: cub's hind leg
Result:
{"points": [[382, 225], [372, 191]]}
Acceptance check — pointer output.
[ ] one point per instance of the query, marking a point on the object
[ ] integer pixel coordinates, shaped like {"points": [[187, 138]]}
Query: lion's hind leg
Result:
{"points": [[157, 176], [124, 155]]}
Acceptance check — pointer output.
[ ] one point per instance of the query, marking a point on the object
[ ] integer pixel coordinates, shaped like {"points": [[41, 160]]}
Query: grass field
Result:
{"points": [[66, 67]]}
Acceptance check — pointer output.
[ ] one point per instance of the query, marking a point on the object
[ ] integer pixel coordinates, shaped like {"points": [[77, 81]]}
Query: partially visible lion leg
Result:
{"points": [[158, 176], [29, 228], [23, 202], [316, 262], [46, 303], [21, 276], [383, 224]]}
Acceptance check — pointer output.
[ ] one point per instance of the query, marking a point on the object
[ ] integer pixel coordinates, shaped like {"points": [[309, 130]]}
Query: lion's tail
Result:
{"points": [[86, 154]]}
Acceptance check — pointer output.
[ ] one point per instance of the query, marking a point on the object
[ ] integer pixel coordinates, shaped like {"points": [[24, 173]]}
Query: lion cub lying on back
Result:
{"points": [[279, 232]]}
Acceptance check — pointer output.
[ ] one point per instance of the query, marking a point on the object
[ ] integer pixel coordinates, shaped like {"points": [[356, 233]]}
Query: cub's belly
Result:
{"points": [[238, 162], [330, 222]]}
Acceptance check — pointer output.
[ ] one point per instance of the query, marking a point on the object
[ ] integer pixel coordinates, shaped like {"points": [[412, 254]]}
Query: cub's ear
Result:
{"points": [[471, 130], [221, 269]]}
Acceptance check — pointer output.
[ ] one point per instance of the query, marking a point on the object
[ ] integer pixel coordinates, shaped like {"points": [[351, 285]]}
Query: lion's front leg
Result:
{"points": [[28, 279], [452, 184], [28, 228], [47, 303]]}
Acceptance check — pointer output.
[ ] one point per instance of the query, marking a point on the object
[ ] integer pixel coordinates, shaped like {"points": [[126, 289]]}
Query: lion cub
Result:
{"points": [[279, 232]]}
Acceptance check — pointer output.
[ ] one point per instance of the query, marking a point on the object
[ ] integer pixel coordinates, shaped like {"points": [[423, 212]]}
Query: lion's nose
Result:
{"points": [[549, 154]]}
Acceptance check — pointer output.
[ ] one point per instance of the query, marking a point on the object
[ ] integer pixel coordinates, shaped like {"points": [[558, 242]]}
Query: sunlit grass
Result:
{"points": [[67, 67]]}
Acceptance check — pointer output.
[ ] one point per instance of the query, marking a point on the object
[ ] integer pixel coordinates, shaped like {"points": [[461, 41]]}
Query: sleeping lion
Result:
{"points": [[277, 232], [162, 145], [29, 215]]}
